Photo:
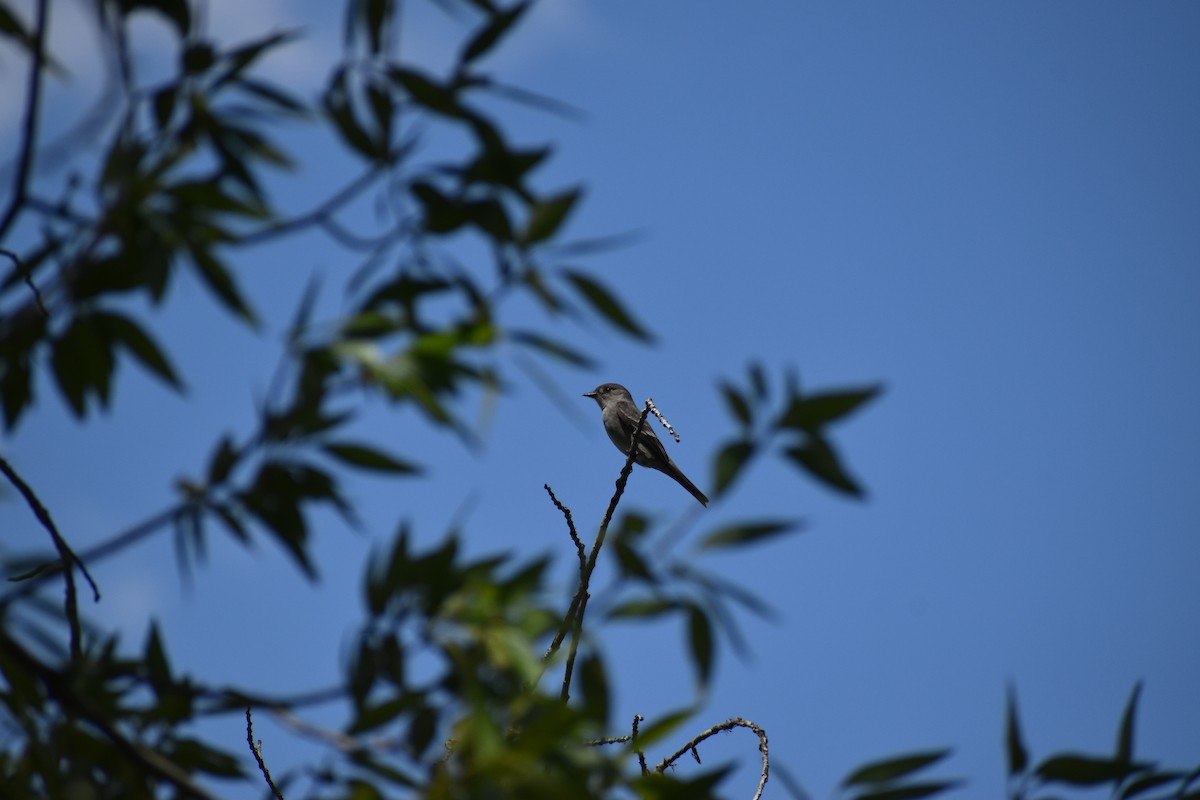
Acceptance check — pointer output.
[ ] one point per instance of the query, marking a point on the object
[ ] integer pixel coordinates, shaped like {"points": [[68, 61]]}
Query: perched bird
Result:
{"points": [[621, 416]]}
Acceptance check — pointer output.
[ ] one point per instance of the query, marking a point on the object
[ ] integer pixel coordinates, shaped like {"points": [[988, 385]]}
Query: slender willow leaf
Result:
{"points": [[818, 458], [894, 768], [366, 457], [745, 533], [548, 216], [607, 305], [1018, 757]]}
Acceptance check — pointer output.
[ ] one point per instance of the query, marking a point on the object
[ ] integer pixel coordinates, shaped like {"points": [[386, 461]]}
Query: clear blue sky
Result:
{"points": [[993, 209]]}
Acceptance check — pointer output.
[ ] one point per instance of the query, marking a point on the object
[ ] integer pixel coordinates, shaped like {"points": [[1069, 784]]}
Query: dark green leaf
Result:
{"points": [[486, 38], [593, 683], [631, 562], [442, 214], [232, 522], [83, 364], [758, 380], [1149, 781], [366, 457], [910, 792], [745, 533], [239, 59], [196, 755], [15, 385], [1125, 736], [547, 216], [422, 730], [607, 305], [729, 463], [893, 768], [552, 347], [198, 57], [1018, 757], [818, 458], [373, 717], [737, 404], [158, 670], [176, 12], [129, 334], [164, 105], [812, 413], [428, 92], [645, 608], [701, 643], [1077, 770], [221, 283], [662, 727]]}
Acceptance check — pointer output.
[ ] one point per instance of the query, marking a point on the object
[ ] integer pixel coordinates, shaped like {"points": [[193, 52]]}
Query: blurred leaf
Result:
{"points": [[1078, 770], [605, 303], [730, 462], [662, 727], [1149, 781], [194, 754], [553, 348], [701, 643], [910, 792], [737, 404], [593, 682], [548, 216], [745, 533], [812, 413], [442, 215], [175, 12], [221, 283], [758, 380], [488, 36], [83, 364], [128, 333], [894, 768], [376, 716], [422, 730], [154, 657], [428, 92], [1018, 758], [366, 457], [818, 459], [644, 608], [632, 563], [1125, 737]]}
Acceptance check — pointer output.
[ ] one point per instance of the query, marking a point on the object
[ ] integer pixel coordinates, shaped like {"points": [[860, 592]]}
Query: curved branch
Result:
{"points": [[67, 557], [29, 125], [728, 725]]}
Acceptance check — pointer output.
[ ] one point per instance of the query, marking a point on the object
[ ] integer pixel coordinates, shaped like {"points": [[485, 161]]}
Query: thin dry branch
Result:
{"points": [[728, 725], [256, 749], [67, 557]]}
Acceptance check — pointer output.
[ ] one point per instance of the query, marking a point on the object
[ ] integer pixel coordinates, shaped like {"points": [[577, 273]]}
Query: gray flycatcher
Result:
{"points": [[621, 415]]}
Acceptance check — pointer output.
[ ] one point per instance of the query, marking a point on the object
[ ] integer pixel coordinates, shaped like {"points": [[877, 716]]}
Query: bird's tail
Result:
{"points": [[676, 473]]}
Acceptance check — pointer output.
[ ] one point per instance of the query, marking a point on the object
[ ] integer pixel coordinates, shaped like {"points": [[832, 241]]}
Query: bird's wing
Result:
{"points": [[648, 440]]}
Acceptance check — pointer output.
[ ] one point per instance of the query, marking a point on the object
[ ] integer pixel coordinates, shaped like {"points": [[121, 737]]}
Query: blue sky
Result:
{"points": [[991, 209]]}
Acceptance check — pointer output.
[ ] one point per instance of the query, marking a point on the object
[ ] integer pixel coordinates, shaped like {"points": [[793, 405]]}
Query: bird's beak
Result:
{"points": [[589, 394]]}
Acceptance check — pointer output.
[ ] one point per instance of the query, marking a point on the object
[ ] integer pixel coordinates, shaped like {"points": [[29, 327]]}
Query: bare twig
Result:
{"points": [[21, 268], [728, 725], [566, 512], [573, 622], [66, 555], [654, 410], [637, 720], [256, 749], [100, 551], [29, 125]]}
